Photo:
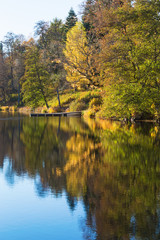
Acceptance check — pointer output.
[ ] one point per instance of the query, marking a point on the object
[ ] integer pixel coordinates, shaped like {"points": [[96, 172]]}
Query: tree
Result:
{"points": [[9, 44], [134, 58], [41, 29], [3, 78], [50, 45], [79, 63], [14, 63], [128, 41], [19, 66], [36, 83], [55, 57], [88, 16], [70, 20]]}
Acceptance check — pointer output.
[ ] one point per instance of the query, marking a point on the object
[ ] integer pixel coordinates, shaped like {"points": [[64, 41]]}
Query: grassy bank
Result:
{"points": [[92, 103], [89, 102]]}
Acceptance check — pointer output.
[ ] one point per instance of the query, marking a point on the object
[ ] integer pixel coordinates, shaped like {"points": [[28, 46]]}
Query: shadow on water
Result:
{"points": [[113, 169]]}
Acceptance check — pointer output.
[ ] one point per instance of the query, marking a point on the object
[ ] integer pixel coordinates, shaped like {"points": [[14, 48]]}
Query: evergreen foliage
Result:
{"points": [[70, 20]]}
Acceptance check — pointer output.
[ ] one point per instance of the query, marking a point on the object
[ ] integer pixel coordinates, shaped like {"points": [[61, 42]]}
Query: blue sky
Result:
{"points": [[19, 16]]}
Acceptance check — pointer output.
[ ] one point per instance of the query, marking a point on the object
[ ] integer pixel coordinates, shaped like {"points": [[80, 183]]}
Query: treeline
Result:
{"points": [[34, 69], [114, 50]]}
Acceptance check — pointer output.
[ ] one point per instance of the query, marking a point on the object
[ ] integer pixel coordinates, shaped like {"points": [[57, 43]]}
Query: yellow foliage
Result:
{"points": [[58, 172], [77, 54], [8, 108], [4, 108]]}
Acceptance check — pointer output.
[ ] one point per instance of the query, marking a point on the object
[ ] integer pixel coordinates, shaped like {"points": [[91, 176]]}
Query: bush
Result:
{"points": [[51, 110], [95, 102], [57, 109], [78, 106], [4, 108], [86, 97], [90, 113], [12, 108], [86, 100], [68, 100], [44, 110]]}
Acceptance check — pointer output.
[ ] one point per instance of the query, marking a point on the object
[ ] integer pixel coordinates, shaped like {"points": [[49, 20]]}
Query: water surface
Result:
{"points": [[68, 178]]}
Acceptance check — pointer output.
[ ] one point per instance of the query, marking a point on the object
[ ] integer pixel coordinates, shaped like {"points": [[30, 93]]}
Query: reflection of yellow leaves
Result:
{"points": [[154, 132], [76, 143], [58, 172], [156, 129], [81, 151], [102, 124], [73, 159], [108, 125], [132, 129]]}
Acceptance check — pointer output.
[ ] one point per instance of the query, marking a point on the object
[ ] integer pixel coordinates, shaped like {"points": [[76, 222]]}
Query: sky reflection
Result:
{"points": [[26, 215]]}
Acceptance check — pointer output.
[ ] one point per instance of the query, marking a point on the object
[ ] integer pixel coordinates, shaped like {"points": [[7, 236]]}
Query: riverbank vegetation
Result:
{"points": [[108, 64]]}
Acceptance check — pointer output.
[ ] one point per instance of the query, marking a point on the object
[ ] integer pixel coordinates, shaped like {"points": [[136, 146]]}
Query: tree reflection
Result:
{"points": [[113, 169]]}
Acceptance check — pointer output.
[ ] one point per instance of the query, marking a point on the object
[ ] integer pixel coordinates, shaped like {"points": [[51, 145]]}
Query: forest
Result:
{"points": [[107, 64]]}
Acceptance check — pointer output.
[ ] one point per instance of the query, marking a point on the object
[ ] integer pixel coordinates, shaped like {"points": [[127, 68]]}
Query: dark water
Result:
{"points": [[73, 179]]}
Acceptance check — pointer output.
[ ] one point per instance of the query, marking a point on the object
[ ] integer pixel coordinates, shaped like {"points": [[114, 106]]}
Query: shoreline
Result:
{"points": [[42, 111]]}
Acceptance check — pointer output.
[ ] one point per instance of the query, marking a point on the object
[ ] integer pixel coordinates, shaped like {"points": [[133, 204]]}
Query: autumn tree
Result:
{"points": [[13, 56], [51, 44], [79, 63], [3, 78], [128, 41], [19, 64], [9, 45]]}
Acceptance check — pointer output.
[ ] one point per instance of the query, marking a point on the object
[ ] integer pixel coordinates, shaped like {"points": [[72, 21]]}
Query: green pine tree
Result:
{"points": [[70, 20]]}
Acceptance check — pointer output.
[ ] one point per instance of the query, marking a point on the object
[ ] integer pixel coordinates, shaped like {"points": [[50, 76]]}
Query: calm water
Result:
{"points": [[70, 179]]}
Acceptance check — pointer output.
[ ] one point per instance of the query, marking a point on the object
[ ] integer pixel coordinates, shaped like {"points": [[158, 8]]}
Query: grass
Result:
{"points": [[89, 101]]}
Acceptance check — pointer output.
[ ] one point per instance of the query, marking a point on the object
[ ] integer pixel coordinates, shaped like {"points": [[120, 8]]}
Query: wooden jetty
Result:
{"points": [[60, 114]]}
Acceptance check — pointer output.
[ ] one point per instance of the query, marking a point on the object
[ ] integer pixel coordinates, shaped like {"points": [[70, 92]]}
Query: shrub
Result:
{"points": [[4, 108], [78, 106], [57, 109], [95, 102], [90, 113], [44, 110], [13, 108], [83, 102], [68, 100], [51, 110]]}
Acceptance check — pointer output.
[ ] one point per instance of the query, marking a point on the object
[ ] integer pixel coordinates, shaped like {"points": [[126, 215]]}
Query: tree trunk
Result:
{"points": [[58, 98], [41, 87], [45, 100], [12, 83], [18, 94]]}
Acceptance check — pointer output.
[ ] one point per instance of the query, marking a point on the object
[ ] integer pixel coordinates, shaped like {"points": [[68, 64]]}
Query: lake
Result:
{"points": [[75, 179]]}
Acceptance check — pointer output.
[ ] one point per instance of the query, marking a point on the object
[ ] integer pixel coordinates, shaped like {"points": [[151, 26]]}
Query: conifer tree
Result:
{"points": [[70, 20]]}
